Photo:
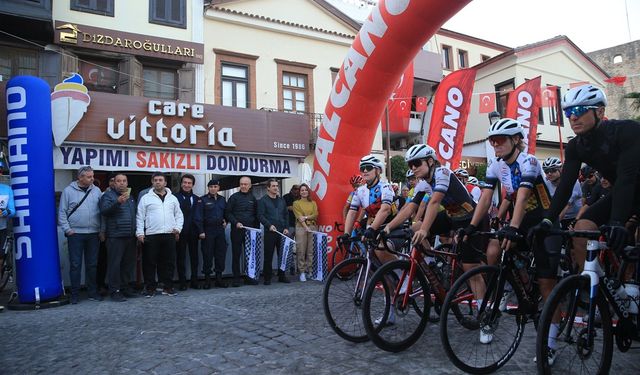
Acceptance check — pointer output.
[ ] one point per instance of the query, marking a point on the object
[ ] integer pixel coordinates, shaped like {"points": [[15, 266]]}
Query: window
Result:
{"points": [[484, 58], [100, 75], [617, 59], [294, 92], [17, 62], [463, 59], [503, 89], [447, 62], [160, 83], [103, 7], [168, 12], [235, 85]]}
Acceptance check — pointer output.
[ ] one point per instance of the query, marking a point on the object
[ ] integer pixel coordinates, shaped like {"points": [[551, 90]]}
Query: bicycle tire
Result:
{"points": [[342, 298], [410, 320], [6, 265], [459, 337], [574, 291]]}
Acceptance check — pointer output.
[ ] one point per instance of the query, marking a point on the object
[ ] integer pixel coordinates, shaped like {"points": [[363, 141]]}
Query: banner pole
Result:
{"points": [[560, 122], [386, 115]]}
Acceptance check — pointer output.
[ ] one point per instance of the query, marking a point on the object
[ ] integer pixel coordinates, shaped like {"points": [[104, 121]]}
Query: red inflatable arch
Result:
{"points": [[389, 39]]}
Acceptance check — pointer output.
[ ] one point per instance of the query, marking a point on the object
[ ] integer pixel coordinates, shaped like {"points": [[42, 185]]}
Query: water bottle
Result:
{"points": [[618, 291], [524, 275], [633, 296]]}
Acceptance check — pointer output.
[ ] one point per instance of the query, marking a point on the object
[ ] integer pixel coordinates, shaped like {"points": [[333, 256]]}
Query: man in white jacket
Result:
{"points": [[158, 224]]}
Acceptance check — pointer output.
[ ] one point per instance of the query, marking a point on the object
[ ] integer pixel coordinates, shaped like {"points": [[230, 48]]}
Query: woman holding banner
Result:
{"points": [[306, 212]]}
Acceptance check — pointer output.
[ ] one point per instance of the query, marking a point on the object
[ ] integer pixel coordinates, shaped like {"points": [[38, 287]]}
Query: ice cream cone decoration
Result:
{"points": [[69, 102]]}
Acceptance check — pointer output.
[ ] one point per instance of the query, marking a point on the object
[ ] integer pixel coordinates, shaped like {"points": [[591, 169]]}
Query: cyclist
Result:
{"points": [[412, 181], [611, 147], [552, 167], [7, 210], [473, 188], [356, 181], [521, 176]]}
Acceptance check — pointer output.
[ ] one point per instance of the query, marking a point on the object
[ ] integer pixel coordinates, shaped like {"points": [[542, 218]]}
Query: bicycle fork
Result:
{"points": [[594, 272]]}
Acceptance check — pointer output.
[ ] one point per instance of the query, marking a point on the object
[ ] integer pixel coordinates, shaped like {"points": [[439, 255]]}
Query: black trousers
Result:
{"points": [[159, 256], [101, 268], [214, 246], [190, 243], [237, 243], [122, 261], [271, 243]]}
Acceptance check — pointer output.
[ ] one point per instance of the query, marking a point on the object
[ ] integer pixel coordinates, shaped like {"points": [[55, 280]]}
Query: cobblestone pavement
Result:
{"points": [[277, 329]]}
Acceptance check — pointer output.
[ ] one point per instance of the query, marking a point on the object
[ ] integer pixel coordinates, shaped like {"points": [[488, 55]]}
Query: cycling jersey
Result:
{"points": [[457, 201], [350, 197], [575, 202], [474, 191], [525, 171], [422, 191], [613, 149], [371, 199]]}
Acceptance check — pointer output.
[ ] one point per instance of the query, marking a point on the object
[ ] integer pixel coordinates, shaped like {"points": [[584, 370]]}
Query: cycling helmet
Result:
{"points": [[356, 179], [506, 126], [461, 172], [552, 163], [473, 181], [584, 95], [409, 173], [372, 160], [420, 151]]}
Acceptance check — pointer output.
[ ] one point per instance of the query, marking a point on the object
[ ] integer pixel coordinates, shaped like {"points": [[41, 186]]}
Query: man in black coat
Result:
{"points": [[210, 223], [241, 212], [272, 212], [189, 235]]}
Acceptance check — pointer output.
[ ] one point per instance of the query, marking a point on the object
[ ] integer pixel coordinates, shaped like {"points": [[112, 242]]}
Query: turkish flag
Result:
{"points": [[487, 102], [549, 96], [400, 102], [421, 104], [618, 80], [576, 84]]}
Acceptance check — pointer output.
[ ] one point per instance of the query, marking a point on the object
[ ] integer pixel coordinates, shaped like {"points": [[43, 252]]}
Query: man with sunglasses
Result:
{"points": [[612, 147], [552, 167]]}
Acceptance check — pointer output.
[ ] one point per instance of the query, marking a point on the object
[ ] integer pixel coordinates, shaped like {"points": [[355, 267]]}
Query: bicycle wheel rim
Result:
{"points": [[342, 297], [572, 353], [461, 337]]}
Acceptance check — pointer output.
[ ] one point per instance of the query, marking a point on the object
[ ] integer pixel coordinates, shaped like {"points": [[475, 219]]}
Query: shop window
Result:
{"points": [[235, 85], [18, 62], [463, 59], [100, 75], [503, 89], [102, 7], [168, 12], [160, 83], [294, 92], [447, 58]]}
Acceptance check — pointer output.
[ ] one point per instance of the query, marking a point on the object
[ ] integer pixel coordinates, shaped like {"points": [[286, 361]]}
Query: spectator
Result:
{"points": [[272, 212], [7, 209], [240, 211], [101, 269], [118, 208], [189, 234], [210, 223], [158, 224], [79, 217], [306, 212], [292, 196]]}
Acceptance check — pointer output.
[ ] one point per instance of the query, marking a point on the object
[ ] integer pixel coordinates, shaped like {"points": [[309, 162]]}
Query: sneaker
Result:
{"points": [[267, 281], [303, 277], [117, 297], [236, 283], [390, 321], [128, 294], [182, 287], [283, 279], [551, 357], [95, 297], [74, 299], [486, 336], [252, 282], [169, 292], [149, 293]]}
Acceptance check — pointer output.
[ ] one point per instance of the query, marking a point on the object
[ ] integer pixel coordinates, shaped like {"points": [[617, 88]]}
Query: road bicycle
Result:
{"points": [[398, 299], [6, 263], [590, 310], [355, 248]]}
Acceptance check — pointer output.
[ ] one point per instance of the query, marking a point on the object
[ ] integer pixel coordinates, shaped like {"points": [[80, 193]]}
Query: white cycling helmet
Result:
{"points": [[584, 95], [372, 160], [461, 172], [552, 163], [473, 181], [420, 151], [409, 173], [506, 126]]}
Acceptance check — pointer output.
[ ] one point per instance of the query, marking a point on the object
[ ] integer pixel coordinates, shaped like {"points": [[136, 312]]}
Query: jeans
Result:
{"points": [[122, 262], [214, 246], [189, 241], [86, 244]]}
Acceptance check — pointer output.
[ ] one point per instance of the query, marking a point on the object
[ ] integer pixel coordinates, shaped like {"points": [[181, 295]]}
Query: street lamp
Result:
{"points": [[493, 117]]}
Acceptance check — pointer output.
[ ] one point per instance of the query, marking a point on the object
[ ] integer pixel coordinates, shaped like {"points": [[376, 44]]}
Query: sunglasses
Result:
{"points": [[497, 140], [591, 176], [549, 171], [578, 110], [366, 168], [414, 163]]}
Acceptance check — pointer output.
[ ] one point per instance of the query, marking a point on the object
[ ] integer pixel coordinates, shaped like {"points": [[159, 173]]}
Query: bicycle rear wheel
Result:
{"points": [[461, 334], [6, 266], [573, 353], [342, 299], [392, 322]]}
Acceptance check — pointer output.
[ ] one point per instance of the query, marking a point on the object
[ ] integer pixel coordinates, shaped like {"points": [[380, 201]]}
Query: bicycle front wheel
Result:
{"points": [[395, 313], [573, 351], [342, 299], [484, 338], [6, 268]]}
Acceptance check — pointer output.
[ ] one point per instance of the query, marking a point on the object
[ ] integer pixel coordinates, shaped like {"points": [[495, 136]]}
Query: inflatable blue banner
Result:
{"points": [[31, 165]]}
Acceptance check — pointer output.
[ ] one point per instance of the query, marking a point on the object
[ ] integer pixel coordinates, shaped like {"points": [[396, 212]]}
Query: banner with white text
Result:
{"points": [[523, 105]]}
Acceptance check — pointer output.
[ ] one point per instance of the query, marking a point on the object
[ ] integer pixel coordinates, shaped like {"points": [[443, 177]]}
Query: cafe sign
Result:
{"points": [[136, 44]]}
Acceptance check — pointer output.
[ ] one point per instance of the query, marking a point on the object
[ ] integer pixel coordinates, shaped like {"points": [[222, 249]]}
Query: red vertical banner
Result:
{"points": [[449, 116], [524, 105], [400, 102]]}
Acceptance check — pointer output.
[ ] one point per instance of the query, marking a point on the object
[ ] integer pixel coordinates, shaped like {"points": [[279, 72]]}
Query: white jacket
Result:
{"points": [[156, 216]]}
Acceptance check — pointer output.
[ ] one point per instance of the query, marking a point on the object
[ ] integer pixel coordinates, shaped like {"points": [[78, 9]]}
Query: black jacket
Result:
{"points": [[209, 213], [242, 208], [273, 212], [188, 204], [120, 218]]}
